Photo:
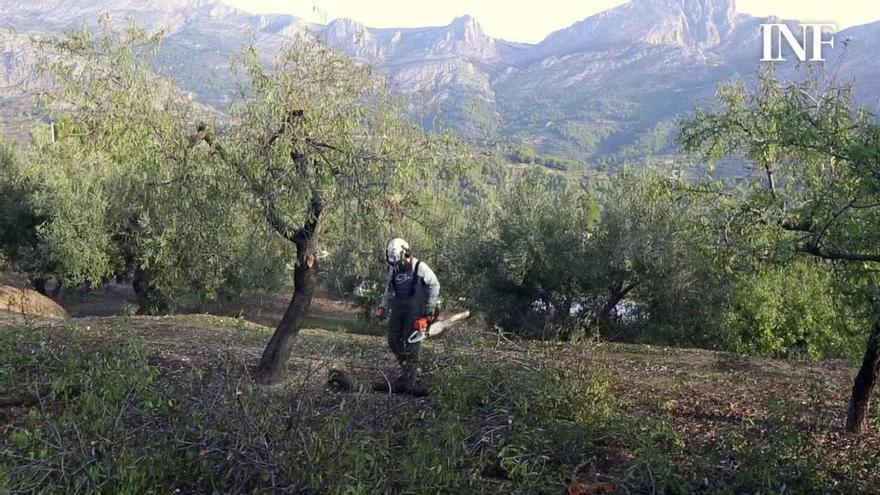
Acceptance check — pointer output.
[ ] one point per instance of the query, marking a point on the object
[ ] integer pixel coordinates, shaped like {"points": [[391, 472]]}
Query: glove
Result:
{"points": [[432, 312], [380, 313]]}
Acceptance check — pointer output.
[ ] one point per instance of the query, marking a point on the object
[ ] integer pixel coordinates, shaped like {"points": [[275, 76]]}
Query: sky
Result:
{"points": [[531, 21]]}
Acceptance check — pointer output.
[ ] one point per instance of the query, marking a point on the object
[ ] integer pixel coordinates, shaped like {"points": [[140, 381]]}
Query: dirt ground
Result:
{"points": [[704, 393], [113, 299]]}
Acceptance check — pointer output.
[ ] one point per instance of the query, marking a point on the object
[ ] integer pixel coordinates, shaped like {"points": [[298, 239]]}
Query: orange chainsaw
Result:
{"points": [[427, 326]]}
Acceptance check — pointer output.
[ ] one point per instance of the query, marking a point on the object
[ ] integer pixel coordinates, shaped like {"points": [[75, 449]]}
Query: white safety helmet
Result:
{"points": [[396, 251]]}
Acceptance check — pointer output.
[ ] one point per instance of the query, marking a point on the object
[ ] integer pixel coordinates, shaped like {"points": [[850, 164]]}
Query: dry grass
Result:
{"points": [[685, 420], [29, 302]]}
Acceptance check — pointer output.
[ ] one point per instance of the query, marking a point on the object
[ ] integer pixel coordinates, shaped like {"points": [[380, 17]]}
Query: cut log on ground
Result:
{"points": [[23, 400], [340, 381]]}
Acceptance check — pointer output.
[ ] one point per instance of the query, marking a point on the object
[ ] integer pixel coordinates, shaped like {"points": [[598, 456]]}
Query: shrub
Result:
{"points": [[527, 266], [792, 311]]}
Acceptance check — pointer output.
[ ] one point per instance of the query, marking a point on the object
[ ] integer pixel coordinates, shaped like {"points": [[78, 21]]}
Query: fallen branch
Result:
{"points": [[23, 400]]}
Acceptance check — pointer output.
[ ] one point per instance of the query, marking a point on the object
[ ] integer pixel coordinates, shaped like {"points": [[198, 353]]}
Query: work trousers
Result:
{"points": [[404, 313]]}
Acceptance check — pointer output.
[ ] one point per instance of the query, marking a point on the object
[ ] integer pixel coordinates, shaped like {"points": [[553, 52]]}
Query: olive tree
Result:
{"points": [[650, 250], [546, 255], [817, 191], [315, 156], [116, 183], [323, 154], [525, 258], [20, 246]]}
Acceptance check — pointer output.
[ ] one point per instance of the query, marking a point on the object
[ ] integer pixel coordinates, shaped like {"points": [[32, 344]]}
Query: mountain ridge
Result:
{"points": [[605, 89]]}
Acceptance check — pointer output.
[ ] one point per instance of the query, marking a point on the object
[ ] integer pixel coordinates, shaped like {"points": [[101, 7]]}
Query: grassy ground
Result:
{"points": [[155, 404]]}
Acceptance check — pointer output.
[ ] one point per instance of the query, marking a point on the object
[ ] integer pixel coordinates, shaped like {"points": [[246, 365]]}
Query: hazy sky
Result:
{"points": [[530, 21]]}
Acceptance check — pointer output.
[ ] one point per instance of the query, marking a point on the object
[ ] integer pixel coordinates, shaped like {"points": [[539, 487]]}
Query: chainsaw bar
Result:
{"points": [[438, 327]]}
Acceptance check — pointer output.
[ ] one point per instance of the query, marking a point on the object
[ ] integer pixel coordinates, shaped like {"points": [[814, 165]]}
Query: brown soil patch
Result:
{"points": [[29, 303]]}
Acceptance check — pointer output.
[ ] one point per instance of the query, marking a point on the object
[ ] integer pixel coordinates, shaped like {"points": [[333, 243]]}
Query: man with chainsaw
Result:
{"points": [[411, 297]]}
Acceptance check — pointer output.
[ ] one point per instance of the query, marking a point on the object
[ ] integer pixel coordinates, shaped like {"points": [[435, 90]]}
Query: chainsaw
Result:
{"points": [[426, 327]]}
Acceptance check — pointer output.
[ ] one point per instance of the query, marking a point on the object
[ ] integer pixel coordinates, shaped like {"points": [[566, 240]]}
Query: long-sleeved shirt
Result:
{"points": [[404, 284]]}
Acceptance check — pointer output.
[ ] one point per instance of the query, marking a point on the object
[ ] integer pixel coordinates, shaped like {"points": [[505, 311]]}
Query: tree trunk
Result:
{"points": [[863, 388], [560, 319], [150, 301], [616, 293], [277, 351], [604, 319], [563, 312], [40, 285]]}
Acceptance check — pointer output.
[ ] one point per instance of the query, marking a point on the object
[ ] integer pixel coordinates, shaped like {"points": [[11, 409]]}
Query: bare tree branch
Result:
{"points": [[833, 254]]}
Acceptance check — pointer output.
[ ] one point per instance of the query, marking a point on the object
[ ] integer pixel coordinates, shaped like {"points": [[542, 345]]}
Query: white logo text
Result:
{"points": [[774, 34]]}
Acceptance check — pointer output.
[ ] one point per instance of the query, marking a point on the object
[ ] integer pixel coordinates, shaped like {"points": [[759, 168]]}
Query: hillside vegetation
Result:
{"points": [[157, 404], [278, 212], [606, 90]]}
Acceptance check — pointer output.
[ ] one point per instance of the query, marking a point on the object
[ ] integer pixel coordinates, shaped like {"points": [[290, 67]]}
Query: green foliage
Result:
{"points": [[434, 457], [652, 251], [133, 179], [542, 413], [116, 414], [792, 311], [543, 261], [527, 266], [646, 144], [19, 239], [111, 419], [79, 442], [776, 454], [116, 188], [528, 155], [430, 208], [577, 120], [316, 134], [656, 445], [817, 196], [817, 192], [581, 393], [585, 135]]}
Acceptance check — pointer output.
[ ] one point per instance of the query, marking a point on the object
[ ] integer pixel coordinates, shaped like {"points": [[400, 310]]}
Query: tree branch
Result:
{"points": [[270, 209], [833, 254]]}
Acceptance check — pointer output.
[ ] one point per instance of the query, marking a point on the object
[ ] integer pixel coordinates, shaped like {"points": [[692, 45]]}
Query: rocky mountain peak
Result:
{"points": [[176, 5], [73, 13], [343, 25], [352, 37], [346, 30], [689, 4], [698, 24], [467, 29], [465, 37], [119, 5], [647, 56]]}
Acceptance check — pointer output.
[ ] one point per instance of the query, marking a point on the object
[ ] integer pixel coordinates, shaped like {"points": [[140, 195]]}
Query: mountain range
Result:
{"points": [[603, 91]]}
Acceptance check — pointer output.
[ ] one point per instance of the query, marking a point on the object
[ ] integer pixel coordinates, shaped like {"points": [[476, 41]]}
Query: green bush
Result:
{"points": [[792, 311], [656, 444], [79, 437], [527, 254], [549, 416], [113, 418], [580, 394]]}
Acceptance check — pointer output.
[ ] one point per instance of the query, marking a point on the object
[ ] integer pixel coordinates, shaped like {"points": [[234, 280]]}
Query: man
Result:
{"points": [[411, 295]]}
